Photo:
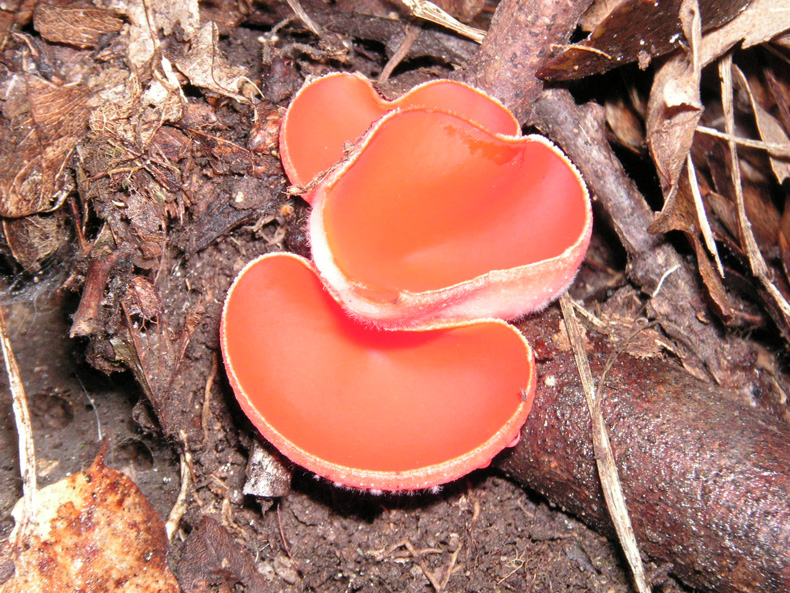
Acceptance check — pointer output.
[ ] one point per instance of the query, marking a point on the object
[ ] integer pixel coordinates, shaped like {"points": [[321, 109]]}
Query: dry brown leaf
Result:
{"points": [[78, 25], [268, 472], [93, 531], [597, 12], [212, 561], [6, 24], [47, 121], [206, 67], [769, 128], [760, 209], [635, 30], [33, 238], [625, 124], [777, 76], [680, 214], [147, 19], [784, 238], [760, 22], [674, 107], [128, 114], [756, 260]]}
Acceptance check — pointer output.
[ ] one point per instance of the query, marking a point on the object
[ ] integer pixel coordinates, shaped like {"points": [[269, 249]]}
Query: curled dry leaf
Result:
{"points": [[35, 237], [78, 25], [206, 66], [771, 131], [635, 30], [212, 561], [674, 107], [679, 214], [47, 121], [6, 24], [760, 22], [147, 20], [93, 531]]}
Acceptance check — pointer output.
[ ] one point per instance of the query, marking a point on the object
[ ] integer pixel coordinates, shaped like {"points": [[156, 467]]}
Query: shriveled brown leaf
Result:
{"points": [[777, 77], [148, 19], [760, 209], [760, 22], [93, 531], [635, 30], [78, 25], [142, 299], [6, 23], [674, 107], [206, 67], [33, 238], [770, 130], [212, 561], [597, 12], [784, 238], [47, 121], [625, 124], [776, 302], [680, 214], [154, 352], [268, 472], [128, 112]]}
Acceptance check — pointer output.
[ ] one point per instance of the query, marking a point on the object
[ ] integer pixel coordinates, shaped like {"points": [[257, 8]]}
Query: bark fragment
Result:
{"points": [[707, 481]]}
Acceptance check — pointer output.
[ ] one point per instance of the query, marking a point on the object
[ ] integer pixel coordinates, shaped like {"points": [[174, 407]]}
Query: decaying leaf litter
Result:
{"points": [[144, 159]]}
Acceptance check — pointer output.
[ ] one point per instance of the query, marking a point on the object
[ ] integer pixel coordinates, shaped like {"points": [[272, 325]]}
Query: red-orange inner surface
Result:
{"points": [[433, 201], [360, 397], [325, 116], [336, 110]]}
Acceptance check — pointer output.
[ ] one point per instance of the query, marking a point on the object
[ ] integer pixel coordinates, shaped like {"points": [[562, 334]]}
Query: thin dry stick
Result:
{"points": [[772, 148], [410, 36], [314, 27], [427, 10], [756, 260], [604, 458], [180, 506], [702, 217], [27, 448]]}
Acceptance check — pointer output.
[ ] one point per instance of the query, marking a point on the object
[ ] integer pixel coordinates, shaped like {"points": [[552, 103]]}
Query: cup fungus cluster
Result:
{"points": [[387, 363]]}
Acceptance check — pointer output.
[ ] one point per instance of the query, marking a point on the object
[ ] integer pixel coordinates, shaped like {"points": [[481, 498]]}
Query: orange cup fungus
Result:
{"points": [[432, 219], [365, 407], [331, 112], [431, 213]]}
